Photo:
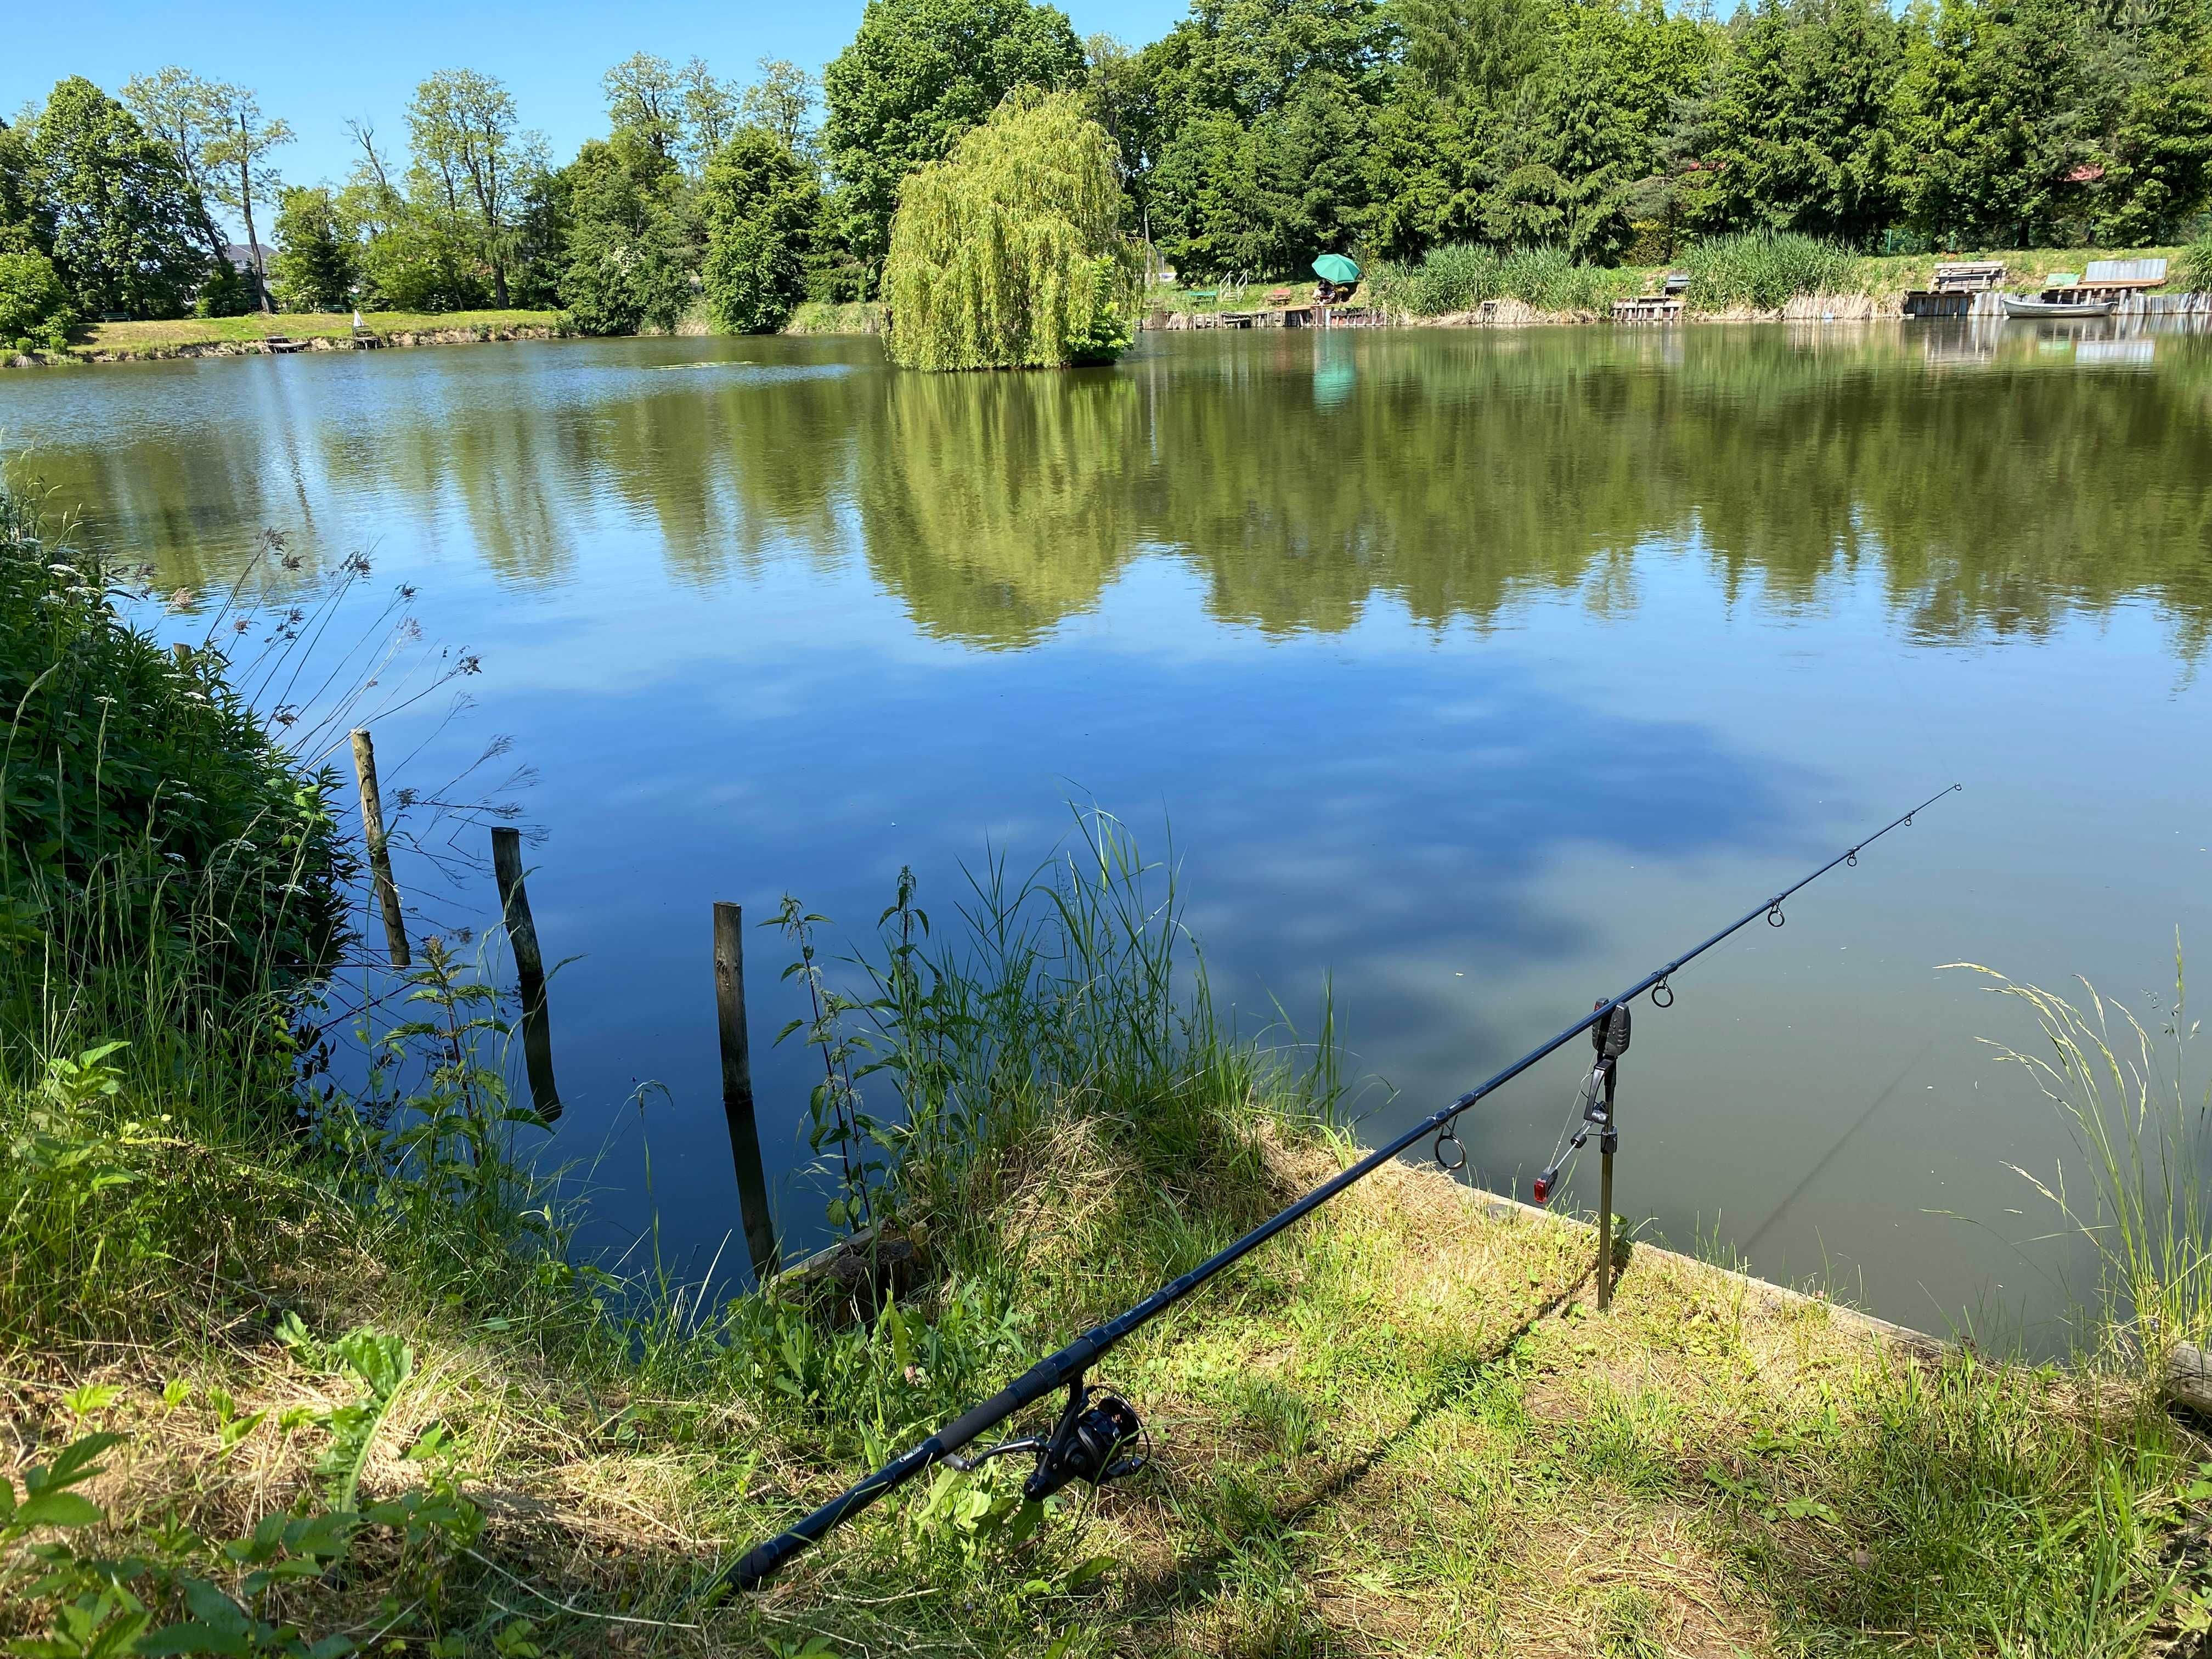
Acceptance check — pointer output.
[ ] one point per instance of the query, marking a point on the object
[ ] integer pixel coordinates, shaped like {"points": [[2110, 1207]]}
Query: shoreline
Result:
{"points": [[260, 336], [316, 334]]}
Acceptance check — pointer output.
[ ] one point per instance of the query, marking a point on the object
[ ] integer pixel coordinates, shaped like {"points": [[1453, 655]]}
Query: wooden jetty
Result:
{"points": [[1649, 309], [2115, 280]]}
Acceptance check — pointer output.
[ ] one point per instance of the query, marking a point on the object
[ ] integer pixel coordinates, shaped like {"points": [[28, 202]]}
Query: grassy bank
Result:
{"points": [[822, 316], [284, 1366], [216, 335], [1730, 277]]}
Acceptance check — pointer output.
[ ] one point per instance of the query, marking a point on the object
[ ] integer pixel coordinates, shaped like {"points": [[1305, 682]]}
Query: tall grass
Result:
{"points": [[1763, 270], [2194, 267], [1072, 993], [2144, 1134], [1460, 276]]}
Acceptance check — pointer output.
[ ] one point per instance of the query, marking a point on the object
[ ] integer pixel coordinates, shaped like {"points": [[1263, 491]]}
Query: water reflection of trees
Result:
{"points": [[1466, 469], [1299, 475]]}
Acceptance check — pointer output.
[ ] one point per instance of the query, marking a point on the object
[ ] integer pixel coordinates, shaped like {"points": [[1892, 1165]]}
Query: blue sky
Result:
{"points": [[317, 67]]}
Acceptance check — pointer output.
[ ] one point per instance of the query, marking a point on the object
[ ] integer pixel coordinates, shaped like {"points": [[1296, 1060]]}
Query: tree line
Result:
{"points": [[1255, 135]]}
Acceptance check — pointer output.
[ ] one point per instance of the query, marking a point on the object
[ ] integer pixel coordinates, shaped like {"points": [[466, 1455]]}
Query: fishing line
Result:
{"points": [[1090, 1440]]}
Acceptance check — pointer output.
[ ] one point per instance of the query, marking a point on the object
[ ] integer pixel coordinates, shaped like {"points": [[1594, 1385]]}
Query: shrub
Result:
{"points": [[416, 265], [1010, 252], [35, 306], [1763, 270], [153, 835]]}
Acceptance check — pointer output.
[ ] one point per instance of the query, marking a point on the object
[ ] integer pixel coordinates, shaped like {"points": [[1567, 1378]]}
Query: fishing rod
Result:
{"points": [[1094, 1427]]}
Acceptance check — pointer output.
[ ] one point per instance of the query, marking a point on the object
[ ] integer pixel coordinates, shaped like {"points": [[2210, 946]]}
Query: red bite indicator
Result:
{"points": [[1542, 1189]]}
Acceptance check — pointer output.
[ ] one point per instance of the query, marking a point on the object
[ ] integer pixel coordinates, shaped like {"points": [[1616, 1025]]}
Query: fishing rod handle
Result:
{"points": [[1049, 1375]]}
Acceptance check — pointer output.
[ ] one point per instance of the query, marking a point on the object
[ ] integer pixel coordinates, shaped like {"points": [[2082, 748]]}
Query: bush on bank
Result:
{"points": [[151, 829]]}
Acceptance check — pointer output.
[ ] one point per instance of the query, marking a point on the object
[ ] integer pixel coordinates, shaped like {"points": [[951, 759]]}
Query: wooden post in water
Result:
{"points": [[529, 971], [737, 1088], [379, 855]]}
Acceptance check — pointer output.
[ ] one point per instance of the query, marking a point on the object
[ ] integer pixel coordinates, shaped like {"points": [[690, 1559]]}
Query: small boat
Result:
{"points": [[2014, 307]]}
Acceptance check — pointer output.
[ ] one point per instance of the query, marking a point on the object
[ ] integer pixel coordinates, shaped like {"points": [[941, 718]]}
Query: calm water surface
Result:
{"points": [[1480, 671]]}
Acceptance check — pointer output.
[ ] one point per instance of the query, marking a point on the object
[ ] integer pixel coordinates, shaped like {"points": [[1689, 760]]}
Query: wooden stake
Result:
{"points": [[737, 1088], [379, 855], [529, 971]]}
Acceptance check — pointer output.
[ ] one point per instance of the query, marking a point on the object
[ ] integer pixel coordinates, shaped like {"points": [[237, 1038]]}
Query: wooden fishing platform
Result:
{"points": [[1649, 309], [2109, 279], [1968, 276], [1290, 316]]}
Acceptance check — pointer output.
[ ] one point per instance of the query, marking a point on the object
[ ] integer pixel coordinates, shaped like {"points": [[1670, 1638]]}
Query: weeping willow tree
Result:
{"points": [[1009, 253]]}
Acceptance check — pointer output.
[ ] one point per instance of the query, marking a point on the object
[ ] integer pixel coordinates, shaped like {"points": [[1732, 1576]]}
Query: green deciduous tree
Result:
{"points": [[711, 112], [626, 268], [1258, 114], [918, 74], [471, 165], [184, 111], [2159, 146], [1010, 253], [26, 225], [645, 101], [241, 137], [130, 232], [782, 99], [762, 203], [317, 264], [1474, 52]]}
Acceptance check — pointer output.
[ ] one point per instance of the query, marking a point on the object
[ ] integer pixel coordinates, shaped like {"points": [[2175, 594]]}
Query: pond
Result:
{"points": [[1473, 673]]}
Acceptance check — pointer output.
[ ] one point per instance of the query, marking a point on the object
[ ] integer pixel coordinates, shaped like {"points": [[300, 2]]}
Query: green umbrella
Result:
{"points": [[1335, 268]]}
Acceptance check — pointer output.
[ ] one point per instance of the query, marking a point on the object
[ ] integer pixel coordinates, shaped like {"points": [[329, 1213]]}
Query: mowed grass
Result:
{"points": [[1403, 1429], [135, 338]]}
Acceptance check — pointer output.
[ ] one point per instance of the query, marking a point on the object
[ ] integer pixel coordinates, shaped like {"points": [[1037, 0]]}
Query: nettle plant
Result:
{"points": [[908, 1028]]}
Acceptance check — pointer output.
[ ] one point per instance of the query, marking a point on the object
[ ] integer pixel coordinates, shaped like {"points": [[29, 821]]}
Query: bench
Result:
{"points": [[1968, 275]]}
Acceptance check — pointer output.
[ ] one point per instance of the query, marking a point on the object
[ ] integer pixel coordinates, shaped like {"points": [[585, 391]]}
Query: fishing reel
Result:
{"points": [[1609, 1036], [1085, 1444]]}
